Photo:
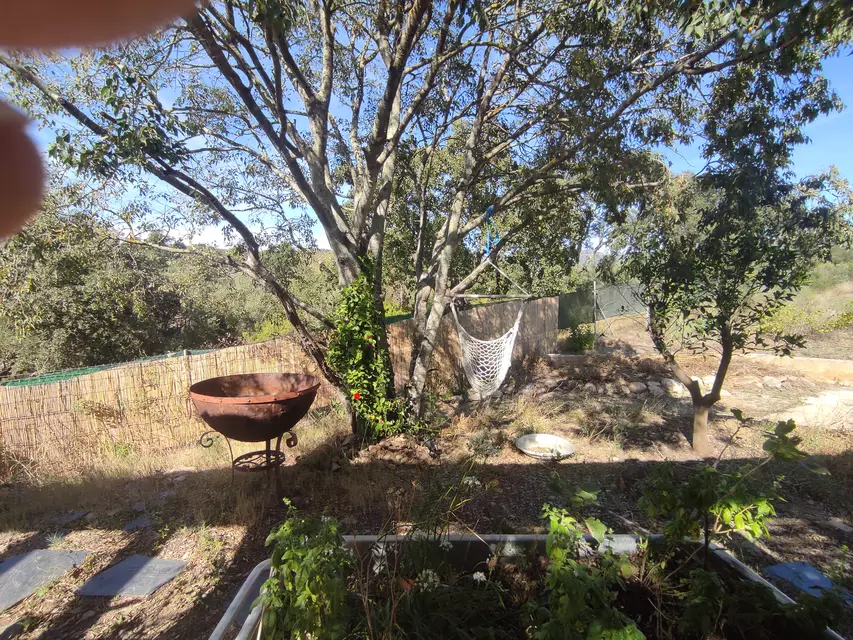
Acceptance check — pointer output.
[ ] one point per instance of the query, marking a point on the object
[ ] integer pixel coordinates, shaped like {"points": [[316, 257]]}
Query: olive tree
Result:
{"points": [[715, 256], [249, 108]]}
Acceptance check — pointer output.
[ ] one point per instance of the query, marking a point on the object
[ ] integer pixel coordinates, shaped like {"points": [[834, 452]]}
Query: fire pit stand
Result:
{"points": [[255, 407]]}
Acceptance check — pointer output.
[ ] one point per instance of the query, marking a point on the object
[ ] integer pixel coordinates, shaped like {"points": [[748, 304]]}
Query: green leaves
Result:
{"points": [[580, 595], [596, 528], [307, 594], [357, 355]]}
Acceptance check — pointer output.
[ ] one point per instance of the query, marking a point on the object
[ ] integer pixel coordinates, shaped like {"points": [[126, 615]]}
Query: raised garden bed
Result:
{"points": [[469, 554]]}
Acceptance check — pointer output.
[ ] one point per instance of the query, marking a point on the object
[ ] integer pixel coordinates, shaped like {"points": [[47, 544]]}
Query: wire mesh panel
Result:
{"points": [[618, 300], [621, 319]]}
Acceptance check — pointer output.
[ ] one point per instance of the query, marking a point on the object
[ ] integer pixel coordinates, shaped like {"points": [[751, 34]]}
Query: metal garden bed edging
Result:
{"points": [[239, 616]]}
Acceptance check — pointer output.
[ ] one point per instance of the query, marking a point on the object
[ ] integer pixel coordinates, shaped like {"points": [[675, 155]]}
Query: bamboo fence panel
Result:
{"points": [[145, 406]]}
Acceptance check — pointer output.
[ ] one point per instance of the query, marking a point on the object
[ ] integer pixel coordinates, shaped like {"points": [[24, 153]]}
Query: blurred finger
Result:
{"points": [[65, 23], [21, 172]]}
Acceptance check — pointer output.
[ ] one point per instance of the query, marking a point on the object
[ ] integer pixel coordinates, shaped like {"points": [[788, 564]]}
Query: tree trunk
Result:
{"points": [[699, 438]]}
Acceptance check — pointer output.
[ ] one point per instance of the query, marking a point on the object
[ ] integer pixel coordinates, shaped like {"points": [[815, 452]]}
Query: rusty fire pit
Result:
{"points": [[255, 407]]}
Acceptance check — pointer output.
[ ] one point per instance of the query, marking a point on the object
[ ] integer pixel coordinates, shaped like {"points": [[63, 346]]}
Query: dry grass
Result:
{"points": [[219, 528]]}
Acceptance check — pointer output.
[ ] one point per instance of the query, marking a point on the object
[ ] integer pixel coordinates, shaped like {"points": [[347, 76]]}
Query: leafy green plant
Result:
{"points": [[356, 354], [711, 502], [306, 595], [579, 595], [578, 337]]}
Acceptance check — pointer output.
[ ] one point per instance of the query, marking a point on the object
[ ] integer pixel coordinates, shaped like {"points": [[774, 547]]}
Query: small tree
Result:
{"points": [[717, 255]]}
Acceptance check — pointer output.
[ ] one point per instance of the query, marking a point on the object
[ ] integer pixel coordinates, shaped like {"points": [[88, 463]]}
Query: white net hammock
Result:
{"points": [[486, 361]]}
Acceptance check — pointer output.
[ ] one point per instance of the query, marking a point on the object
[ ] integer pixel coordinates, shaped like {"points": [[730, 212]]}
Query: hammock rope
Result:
{"points": [[486, 362]]}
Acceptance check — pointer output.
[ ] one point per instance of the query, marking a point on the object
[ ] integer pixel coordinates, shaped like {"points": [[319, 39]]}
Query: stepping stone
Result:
{"points": [[805, 578], [135, 576], [22, 575], [139, 523]]}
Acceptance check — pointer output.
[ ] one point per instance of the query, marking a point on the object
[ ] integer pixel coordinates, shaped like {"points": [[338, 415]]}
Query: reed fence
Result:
{"points": [[145, 406]]}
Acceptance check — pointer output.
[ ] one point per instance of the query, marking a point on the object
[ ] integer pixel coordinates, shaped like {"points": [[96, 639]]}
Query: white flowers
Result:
{"points": [[428, 580], [471, 482], [445, 545], [478, 577]]}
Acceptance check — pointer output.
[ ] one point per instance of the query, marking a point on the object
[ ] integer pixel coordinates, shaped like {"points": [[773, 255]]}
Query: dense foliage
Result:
{"points": [[717, 255], [306, 595], [72, 294], [355, 354]]}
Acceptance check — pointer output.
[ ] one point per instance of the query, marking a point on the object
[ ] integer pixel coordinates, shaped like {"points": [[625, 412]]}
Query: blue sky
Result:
{"points": [[831, 136]]}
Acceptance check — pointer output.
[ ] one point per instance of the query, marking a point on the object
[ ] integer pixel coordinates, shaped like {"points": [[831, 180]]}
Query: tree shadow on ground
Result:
{"points": [[367, 496]]}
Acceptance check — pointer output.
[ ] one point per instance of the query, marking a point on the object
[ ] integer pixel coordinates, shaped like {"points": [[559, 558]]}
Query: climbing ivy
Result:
{"points": [[359, 355]]}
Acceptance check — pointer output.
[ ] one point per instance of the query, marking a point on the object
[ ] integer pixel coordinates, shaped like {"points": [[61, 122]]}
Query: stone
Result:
{"points": [[179, 479], [590, 388], [656, 390], [135, 576], [87, 614], [772, 382], [725, 393], [637, 387], [139, 523], [837, 523], [528, 389], [22, 575], [672, 387], [167, 493], [137, 507], [71, 516]]}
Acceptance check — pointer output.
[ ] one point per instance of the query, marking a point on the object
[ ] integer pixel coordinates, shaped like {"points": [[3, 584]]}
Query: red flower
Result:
{"points": [[368, 336], [356, 396]]}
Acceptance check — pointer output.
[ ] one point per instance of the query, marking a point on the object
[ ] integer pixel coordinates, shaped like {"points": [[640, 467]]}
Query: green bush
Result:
{"points": [[578, 338], [307, 594]]}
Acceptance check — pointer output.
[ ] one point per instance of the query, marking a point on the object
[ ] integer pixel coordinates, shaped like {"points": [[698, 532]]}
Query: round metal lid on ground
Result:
{"points": [[545, 446]]}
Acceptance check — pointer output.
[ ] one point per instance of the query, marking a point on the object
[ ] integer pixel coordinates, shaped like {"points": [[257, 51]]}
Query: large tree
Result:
{"points": [[248, 107]]}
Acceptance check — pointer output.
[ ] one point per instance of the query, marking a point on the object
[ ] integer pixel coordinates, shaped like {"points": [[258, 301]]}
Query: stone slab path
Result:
{"points": [[22, 575], [135, 576]]}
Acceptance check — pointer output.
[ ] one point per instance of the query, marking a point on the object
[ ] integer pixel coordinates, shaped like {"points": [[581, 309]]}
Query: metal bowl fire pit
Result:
{"points": [[255, 407]]}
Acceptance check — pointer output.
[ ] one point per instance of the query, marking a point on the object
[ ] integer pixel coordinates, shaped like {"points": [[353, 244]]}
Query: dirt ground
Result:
{"points": [[218, 527]]}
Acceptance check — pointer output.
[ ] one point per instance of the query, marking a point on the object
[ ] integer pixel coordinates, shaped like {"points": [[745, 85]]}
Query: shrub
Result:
{"points": [[358, 353], [307, 595]]}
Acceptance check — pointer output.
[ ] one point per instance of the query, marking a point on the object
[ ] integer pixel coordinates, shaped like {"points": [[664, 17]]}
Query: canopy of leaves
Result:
{"points": [[714, 261]]}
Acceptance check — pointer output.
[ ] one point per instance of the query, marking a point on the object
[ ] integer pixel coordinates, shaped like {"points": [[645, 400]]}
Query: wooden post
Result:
{"points": [[594, 323]]}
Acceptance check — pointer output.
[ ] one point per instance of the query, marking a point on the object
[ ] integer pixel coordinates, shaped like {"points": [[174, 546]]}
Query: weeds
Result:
{"points": [[487, 443]]}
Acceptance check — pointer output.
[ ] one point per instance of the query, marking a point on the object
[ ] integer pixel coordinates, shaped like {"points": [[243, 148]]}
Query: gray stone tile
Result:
{"points": [[21, 575], [139, 523], [135, 576]]}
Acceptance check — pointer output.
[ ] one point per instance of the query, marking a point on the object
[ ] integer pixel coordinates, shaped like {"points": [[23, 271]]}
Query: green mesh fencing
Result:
{"points": [[575, 309], [618, 300]]}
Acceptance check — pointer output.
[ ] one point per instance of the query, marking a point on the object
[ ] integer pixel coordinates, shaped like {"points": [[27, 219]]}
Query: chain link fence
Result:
{"points": [[605, 317]]}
